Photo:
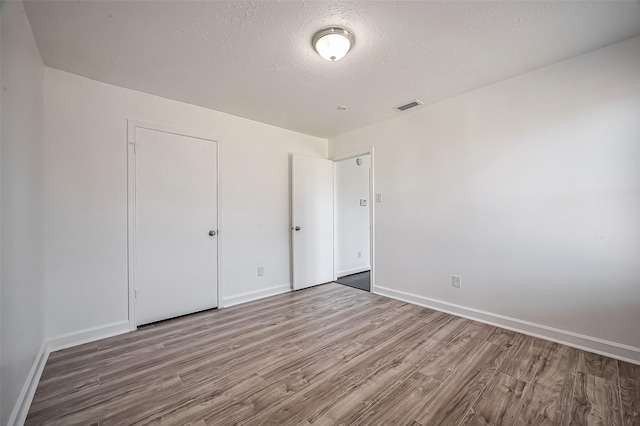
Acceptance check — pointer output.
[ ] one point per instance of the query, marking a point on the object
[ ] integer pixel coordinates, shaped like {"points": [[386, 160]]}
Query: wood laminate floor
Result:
{"points": [[332, 355]]}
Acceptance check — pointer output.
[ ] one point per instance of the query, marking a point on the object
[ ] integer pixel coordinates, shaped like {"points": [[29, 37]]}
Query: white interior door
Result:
{"points": [[312, 216], [176, 211]]}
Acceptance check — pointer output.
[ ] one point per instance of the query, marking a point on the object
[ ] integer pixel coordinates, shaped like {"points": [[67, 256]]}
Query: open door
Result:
{"points": [[312, 220]]}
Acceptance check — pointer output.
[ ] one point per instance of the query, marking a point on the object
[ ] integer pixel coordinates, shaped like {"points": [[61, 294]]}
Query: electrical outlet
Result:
{"points": [[456, 281], [359, 254], [260, 271]]}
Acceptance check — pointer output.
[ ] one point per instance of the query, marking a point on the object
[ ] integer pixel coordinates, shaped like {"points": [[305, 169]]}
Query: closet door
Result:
{"points": [[176, 225]]}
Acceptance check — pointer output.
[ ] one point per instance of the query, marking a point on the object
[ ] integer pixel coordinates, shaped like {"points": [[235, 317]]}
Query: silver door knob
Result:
{"points": [[297, 228], [212, 233]]}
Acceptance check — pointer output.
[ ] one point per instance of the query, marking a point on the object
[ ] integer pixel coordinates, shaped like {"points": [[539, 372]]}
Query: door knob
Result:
{"points": [[212, 233], [297, 228]]}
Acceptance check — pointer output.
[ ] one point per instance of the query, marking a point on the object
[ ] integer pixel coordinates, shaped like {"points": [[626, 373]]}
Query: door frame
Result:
{"points": [[132, 125], [372, 226]]}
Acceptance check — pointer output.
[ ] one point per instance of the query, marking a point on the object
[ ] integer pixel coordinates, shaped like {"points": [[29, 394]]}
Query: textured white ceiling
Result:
{"points": [[255, 59]]}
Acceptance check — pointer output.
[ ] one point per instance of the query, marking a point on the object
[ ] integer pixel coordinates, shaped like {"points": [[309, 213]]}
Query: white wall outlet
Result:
{"points": [[260, 271], [359, 254], [456, 281], [378, 198]]}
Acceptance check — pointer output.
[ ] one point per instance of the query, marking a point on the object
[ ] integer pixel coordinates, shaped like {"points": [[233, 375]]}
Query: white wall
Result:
{"points": [[22, 194], [352, 219], [86, 197], [530, 190]]}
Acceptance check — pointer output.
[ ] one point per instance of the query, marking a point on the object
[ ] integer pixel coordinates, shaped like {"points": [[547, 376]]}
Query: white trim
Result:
{"points": [[87, 335], [132, 125], [250, 296], [372, 220], [218, 222], [608, 348], [21, 409], [372, 212], [353, 271], [335, 221], [131, 223], [352, 154]]}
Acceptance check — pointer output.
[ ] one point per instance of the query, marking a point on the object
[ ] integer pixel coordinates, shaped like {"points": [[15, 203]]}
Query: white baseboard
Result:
{"points": [[21, 409], [353, 271], [580, 341], [87, 335], [250, 296]]}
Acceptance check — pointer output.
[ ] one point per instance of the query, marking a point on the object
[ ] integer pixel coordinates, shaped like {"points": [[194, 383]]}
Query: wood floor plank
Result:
{"points": [[630, 399], [330, 355], [455, 350], [375, 387], [439, 345], [314, 399], [462, 389], [97, 405], [400, 405], [597, 365], [168, 339], [177, 357], [224, 360], [628, 371], [595, 401], [499, 404], [502, 337], [284, 378], [200, 347], [207, 321], [525, 357], [549, 395], [199, 381]]}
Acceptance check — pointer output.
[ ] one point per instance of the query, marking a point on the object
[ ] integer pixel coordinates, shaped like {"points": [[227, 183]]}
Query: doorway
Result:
{"points": [[325, 212], [173, 215], [352, 227]]}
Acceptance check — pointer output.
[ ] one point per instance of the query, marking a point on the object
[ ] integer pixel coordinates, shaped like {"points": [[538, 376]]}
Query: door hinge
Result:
{"points": [[135, 293]]}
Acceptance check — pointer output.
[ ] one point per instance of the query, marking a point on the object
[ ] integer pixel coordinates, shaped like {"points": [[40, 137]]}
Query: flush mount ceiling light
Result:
{"points": [[333, 43]]}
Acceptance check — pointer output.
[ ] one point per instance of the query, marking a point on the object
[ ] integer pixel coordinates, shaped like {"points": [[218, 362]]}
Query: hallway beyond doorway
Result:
{"points": [[361, 280]]}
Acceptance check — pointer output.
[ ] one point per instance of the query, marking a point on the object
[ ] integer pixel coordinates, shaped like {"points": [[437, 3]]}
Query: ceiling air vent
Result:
{"points": [[409, 105]]}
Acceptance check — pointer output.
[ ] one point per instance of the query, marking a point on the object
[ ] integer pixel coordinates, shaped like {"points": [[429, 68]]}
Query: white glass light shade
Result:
{"points": [[333, 43]]}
